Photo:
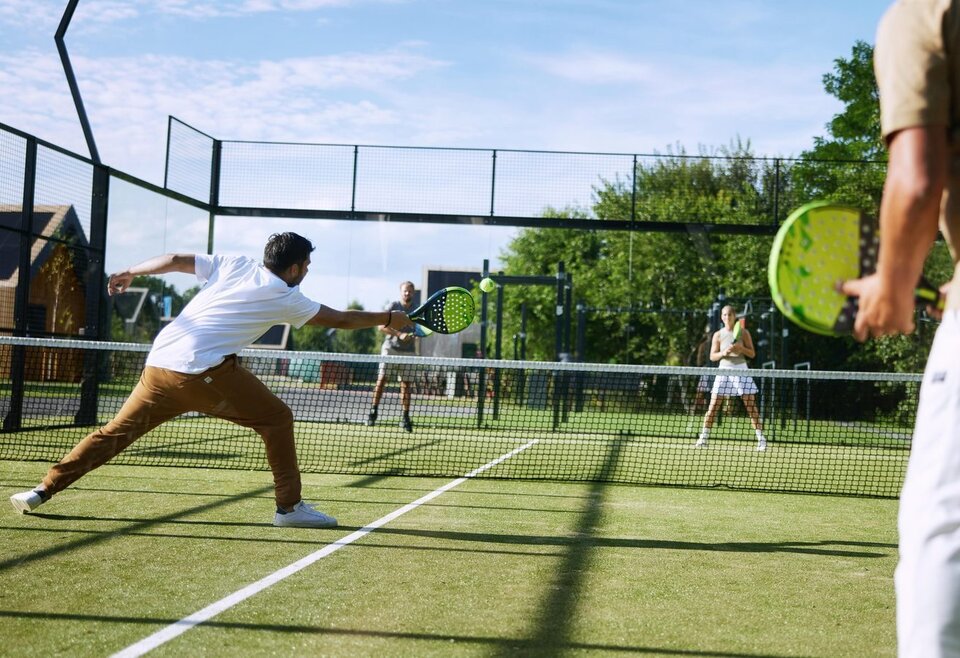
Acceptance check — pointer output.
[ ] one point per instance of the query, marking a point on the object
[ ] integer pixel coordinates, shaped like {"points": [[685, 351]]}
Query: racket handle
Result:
{"points": [[930, 296]]}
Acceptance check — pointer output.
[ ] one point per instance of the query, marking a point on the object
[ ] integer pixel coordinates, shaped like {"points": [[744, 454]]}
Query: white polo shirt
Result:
{"points": [[240, 300]]}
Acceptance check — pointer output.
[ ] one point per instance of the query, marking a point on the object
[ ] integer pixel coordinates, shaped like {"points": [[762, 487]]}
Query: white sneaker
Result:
{"points": [[26, 501], [701, 442], [761, 445], [304, 516]]}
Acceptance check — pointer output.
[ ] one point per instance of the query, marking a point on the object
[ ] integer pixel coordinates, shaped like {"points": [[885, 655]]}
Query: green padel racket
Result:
{"points": [[819, 245], [446, 311], [737, 329]]}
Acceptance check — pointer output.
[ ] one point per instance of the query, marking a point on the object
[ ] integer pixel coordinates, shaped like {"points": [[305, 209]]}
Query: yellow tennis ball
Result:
{"points": [[487, 285]]}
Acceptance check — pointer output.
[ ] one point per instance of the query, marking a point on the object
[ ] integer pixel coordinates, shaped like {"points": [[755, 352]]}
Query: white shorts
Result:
{"points": [[733, 385], [928, 573], [402, 371], [705, 383]]}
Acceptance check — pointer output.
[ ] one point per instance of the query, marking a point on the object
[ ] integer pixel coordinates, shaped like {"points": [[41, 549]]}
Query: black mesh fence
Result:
{"points": [[52, 217], [500, 185], [190, 159]]}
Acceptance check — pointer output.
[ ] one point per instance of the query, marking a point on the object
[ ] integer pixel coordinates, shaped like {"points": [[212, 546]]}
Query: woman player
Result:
{"points": [[732, 348]]}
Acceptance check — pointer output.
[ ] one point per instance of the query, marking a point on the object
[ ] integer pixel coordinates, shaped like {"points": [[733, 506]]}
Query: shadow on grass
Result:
{"points": [[526, 647], [369, 482], [587, 541], [136, 525], [395, 453], [268, 495]]}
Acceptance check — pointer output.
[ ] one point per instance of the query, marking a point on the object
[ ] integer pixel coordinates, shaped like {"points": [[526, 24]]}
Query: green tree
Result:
{"points": [[648, 293], [148, 323], [849, 164], [189, 294]]}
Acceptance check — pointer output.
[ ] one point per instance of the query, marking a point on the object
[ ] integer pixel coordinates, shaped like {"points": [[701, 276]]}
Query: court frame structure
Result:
{"points": [[224, 179]]}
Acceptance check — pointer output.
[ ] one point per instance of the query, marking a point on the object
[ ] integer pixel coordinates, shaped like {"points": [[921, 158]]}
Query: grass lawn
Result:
{"points": [[490, 567]]}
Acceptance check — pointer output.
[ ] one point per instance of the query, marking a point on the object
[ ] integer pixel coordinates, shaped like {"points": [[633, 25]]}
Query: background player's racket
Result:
{"points": [[737, 329], [446, 311], [819, 245]]}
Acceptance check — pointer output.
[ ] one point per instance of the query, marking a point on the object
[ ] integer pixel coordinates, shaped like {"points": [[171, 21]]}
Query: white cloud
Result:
{"points": [[30, 13], [128, 99], [104, 11], [625, 104], [594, 67], [46, 14], [223, 8]]}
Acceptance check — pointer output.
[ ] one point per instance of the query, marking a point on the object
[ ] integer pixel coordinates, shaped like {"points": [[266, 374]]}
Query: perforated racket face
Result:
{"points": [[447, 311], [737, 328], [819, 245]]}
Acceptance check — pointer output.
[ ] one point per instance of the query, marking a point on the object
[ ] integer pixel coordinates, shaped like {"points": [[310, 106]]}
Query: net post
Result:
{"points": [[96, 315], [558, 347], [567, 323], [498, 352], [581, 345], [804, 365], [783, 333], [771, 385], [555, 375], [482, 374], [558, 342], [522, 375]]}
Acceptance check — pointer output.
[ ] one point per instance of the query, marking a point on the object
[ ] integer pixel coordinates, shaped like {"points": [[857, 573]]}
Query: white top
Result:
{"points": [[240, 300], [726, 340]]}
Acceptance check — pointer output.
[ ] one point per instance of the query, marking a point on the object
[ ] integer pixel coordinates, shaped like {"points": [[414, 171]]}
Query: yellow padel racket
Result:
{"points": [[446, 311], [819, 245]]}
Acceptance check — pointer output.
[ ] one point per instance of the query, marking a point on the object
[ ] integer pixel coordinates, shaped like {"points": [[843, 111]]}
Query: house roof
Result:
{"points": [[49, 221]]}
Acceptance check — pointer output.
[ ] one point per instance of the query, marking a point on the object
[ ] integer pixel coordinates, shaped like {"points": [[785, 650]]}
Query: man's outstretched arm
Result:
{"points": [[120, 281]]}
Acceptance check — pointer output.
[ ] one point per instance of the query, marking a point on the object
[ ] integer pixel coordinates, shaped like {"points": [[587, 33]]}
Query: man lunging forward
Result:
{"points": [[193, 366]]}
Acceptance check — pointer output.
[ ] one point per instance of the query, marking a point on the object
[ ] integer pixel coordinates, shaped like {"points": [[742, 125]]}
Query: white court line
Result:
{"points": [[175, 629]]}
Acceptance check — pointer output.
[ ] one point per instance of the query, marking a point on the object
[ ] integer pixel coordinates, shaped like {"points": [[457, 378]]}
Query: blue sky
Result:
{"points": [[607, 75]]}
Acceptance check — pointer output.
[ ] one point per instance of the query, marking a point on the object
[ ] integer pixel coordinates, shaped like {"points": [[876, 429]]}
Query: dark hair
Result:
{"points": [[285, 249]]}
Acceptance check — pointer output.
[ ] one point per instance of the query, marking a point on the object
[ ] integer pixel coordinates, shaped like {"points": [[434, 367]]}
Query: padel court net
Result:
{"points": [[827, 432]]}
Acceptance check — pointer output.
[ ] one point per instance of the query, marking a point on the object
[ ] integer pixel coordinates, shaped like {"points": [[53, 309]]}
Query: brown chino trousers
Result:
{"points": [[227, 391]]}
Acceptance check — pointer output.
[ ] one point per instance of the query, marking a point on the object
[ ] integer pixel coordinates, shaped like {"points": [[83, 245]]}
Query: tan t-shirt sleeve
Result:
{"points": [[910, 62]]}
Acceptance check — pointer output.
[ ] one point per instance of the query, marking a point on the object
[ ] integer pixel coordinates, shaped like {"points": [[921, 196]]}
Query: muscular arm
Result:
{"points": [[120, 281], [909, 212]]}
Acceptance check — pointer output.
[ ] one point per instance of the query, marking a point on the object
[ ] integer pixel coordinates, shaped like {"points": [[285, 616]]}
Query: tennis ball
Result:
{"points": [[488, 284]]}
